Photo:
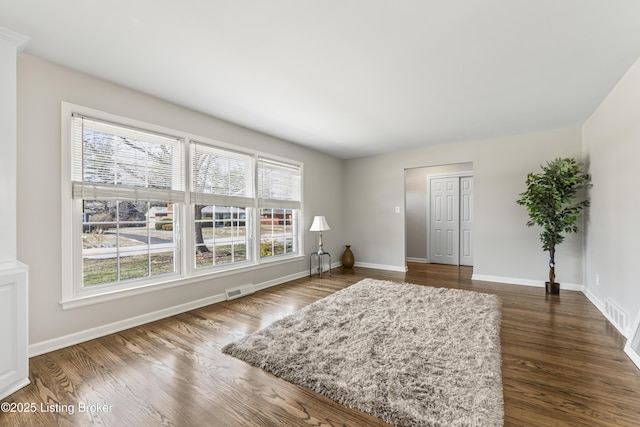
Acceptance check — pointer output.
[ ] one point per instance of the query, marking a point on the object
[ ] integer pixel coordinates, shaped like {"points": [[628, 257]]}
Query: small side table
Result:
{"points": [[319, 255]]}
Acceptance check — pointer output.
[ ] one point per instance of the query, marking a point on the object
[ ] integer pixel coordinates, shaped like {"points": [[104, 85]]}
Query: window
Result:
{"points": [[222, 196], [125, 183], [279, 190], [147, 206]]}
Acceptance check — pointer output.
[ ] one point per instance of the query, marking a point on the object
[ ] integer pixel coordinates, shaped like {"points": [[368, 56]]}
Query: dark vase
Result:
{"points": [[347, 257]]}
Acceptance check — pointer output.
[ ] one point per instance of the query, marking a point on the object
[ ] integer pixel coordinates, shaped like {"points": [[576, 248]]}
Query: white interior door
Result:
{"points": [[445, 220], [466, 220], [451, 220]]}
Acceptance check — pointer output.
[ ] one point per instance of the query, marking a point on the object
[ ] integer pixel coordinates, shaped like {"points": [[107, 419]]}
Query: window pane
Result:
{"points": [[204, 258], [221, 172], [125, 240], [133, 211], [278, 246], [134, 160], [162, 262], [240, 252], [223, 254], [278, 181], [278, 232], [221, 235], [266, 248], [132, 266], [98, 270]]}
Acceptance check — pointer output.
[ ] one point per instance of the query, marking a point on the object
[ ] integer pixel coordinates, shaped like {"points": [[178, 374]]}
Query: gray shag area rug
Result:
{"points": [[411, 355]]}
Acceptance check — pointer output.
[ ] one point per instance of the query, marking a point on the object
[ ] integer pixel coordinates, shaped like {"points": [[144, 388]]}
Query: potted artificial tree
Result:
{"points": [[553, 203]]}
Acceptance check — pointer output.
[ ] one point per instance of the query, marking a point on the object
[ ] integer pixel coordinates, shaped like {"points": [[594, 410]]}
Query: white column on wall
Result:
{"points": [[11, 44], [14, 284]]}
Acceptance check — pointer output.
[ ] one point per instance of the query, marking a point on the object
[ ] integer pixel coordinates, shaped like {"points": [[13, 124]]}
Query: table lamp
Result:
{"points": [[320, 224]]}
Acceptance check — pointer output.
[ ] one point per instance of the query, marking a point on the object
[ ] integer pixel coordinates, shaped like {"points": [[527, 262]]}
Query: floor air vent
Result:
{"points": [[616, 315], [233, 293]]}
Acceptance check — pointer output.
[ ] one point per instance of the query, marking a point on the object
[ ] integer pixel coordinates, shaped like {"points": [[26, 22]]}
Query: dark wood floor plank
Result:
{"points": [[562, 364]]}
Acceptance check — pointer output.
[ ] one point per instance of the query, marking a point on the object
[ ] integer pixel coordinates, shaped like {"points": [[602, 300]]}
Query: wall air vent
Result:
{"points": [[616, 315], [233, 293]]}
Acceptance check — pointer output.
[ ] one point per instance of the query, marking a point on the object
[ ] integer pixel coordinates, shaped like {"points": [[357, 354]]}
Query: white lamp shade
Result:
{"points": [[319, 224]]}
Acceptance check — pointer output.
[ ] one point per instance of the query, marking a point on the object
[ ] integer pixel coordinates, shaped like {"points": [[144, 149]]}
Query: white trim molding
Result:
{"points": [[601, 306], [14, 318], [18, 40], [632, 347], [403, 269], [14, 276], [10, 45], [630, 332], [42, 347], [524, 282]]}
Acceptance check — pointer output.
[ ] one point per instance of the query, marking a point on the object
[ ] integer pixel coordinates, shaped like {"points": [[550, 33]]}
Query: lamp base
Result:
{"points": [[320, 247]]}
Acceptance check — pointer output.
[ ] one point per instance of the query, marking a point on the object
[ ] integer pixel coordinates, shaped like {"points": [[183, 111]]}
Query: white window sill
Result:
{"points": [[85, 300]]}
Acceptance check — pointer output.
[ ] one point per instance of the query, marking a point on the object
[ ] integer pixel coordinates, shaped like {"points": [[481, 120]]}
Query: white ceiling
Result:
{"points": [[350, 77]]}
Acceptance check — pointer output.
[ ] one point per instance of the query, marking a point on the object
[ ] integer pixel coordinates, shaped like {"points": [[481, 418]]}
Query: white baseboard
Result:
{"points": [[89, 334], [284, 279], [524, 282], [563, 286], [14, 387], [403, 269], [602, 308], [420, 260], [596, 301], [100, 331], [335, 264]]}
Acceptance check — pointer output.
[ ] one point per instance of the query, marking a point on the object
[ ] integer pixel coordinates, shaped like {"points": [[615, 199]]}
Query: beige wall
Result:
{"points": [[42, 86], [611, 144], [503, 246]]}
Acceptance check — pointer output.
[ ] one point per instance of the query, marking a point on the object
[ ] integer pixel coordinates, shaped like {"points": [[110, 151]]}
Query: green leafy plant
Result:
{"points": [[553, 203]]}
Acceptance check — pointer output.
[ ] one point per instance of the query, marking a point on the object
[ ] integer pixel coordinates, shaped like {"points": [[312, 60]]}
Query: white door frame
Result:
{"points": [[465, 254], [460, 174]]}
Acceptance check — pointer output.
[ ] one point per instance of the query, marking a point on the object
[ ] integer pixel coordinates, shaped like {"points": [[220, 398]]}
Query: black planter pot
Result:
{"points": [[552, 288]]}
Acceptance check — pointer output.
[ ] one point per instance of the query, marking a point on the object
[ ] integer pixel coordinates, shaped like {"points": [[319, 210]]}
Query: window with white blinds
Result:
{"points": [[279, 184], [222, 199], [221, 177], [129, 182], [111, 161], [279, 199], [145, 205]]}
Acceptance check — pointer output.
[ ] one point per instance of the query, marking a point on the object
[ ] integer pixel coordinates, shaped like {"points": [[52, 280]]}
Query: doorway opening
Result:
{"points": [[439, 214]]}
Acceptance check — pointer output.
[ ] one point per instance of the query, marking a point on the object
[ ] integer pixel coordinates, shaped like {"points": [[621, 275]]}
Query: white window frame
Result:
{"points": [[73, 295], [217, 199], [280, 202]]}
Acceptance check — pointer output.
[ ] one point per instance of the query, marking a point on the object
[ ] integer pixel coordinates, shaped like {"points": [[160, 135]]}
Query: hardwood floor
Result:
{"points": [[562, 365]]}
